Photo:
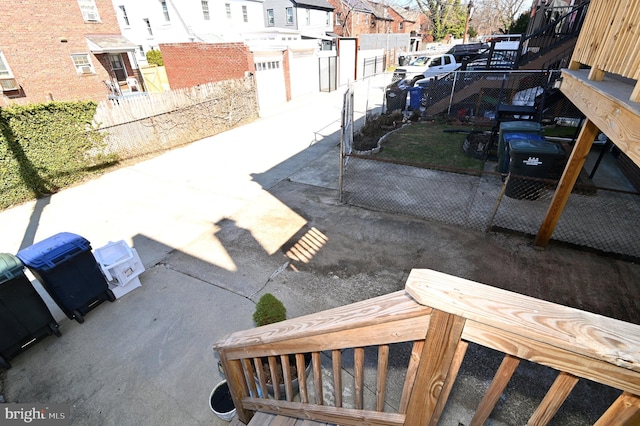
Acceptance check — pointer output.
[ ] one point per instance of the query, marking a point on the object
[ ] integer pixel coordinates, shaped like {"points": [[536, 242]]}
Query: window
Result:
{"points": [[227, 6], [271, 20], [165, 11], [307, 16], [82, 63], [148, 25], [141, 51], [89, 10], [7, 82], [338, 18], [327, 20], [205, 10], [401, 25], [289, 16], [123, 12], [245, 15], [269, 65]]}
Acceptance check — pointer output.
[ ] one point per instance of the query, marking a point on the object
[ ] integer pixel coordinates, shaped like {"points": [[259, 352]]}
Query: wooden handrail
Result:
{"points": [[440, 314]]}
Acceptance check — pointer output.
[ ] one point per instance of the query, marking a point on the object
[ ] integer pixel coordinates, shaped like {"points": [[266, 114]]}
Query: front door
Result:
{"points": [[118, 67]]}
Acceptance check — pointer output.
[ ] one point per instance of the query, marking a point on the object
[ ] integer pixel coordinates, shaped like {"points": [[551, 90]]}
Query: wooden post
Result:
{"points": [[437, 355], [569, 176]]}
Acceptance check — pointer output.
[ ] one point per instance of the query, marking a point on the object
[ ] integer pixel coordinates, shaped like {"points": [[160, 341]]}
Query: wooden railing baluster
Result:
{"points": [[381, 382], [336, 363]]}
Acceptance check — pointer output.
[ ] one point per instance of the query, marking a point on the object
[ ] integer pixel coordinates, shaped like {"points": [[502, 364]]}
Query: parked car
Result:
{"points": [[426, 67]]}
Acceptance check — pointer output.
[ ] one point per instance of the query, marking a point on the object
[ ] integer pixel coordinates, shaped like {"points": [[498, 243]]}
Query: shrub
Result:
{"points": [[154, 57], [45, 147], [269, 310]]}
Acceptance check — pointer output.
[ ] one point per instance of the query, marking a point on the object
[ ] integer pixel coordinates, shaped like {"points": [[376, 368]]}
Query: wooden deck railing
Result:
{"points": [[608, 41], [440, 315]]}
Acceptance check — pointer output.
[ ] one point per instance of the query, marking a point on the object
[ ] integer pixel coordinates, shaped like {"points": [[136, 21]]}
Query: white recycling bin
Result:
{"points": [[121, 266]]}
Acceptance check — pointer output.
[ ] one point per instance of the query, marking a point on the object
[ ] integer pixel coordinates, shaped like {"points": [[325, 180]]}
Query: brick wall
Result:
{"points": [[37, 39], [190, 64]]}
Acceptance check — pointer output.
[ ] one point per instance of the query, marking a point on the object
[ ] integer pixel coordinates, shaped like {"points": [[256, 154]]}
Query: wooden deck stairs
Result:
{"points": [[439, 316]]}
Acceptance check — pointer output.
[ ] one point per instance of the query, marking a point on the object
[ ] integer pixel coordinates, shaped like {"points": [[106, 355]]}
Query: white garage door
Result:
{"points": [[270, 82]]}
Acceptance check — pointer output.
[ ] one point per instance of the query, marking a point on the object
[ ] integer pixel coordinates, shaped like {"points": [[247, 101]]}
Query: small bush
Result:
{"points": [[154, 57], [269, 310]]}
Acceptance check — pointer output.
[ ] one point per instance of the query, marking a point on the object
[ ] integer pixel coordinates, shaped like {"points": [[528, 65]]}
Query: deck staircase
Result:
{"points": [[442, 319]]}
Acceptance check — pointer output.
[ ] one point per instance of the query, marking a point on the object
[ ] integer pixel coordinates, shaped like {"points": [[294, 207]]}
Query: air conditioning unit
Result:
{"points": [[91, 16], [86, 70], [9, 84]]}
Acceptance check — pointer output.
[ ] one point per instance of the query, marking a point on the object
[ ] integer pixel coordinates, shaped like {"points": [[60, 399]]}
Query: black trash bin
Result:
{"points": [[514, 130], [69, 272], [531, 158], [24, 317], [396, 96]]}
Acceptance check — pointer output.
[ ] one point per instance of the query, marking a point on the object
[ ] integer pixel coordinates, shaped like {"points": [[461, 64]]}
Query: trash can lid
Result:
{"points": [[535, 146], [527, 136], [530, 126], [53, 250], [10, 267]]}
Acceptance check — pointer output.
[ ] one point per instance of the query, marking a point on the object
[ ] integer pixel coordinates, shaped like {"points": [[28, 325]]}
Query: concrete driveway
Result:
{"points": [[224, 220]]}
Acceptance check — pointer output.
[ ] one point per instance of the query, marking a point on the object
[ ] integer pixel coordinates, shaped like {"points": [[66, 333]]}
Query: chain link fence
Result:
{"points": [[597, 218]]}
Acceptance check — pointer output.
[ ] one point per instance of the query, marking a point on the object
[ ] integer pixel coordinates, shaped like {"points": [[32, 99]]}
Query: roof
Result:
{"points": [[358, 5], [317, 4], [105, 43], [380, 11]]}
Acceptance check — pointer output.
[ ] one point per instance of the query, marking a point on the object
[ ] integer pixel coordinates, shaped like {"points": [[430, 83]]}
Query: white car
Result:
{"points": [[426, 67]]}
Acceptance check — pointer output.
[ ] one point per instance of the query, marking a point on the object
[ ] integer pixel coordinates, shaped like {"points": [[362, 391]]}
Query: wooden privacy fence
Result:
{"points": [[440, 316], [149, 122]]}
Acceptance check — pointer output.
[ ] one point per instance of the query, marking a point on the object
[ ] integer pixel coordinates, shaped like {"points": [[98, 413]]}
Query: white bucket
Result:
{"points": [[220, 402]]}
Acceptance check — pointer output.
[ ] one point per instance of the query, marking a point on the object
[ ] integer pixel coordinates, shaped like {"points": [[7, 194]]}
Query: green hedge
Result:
{"points": [[46, 147]]}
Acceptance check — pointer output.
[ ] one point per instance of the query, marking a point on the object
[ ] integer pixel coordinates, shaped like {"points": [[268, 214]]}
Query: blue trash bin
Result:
{"points": [[24, 317], [415, 94], [69, 272]]}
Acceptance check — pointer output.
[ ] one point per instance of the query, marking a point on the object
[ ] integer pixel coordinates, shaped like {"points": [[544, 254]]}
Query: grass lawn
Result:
{"points": [[428, 143]]}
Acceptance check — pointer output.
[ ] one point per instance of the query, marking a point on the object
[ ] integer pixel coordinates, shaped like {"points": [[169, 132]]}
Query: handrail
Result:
{"points": [[555, 33], [440, 314]]}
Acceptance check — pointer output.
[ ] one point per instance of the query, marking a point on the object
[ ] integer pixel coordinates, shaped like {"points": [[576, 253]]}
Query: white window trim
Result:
{"points": [[89, 10], [286, 13], [271, 18], [206, 14], [9, 73], [82, 68]]}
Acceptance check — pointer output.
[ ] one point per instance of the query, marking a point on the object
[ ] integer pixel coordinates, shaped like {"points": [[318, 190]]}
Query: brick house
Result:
{"points": [[63, 50]]}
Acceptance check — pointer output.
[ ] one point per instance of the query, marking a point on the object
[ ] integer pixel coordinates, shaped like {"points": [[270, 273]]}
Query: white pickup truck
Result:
{"points": [[426, 67]]}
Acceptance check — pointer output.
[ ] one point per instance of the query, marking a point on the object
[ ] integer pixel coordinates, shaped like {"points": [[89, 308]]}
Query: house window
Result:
{"points": [[271, 20], [82, 63], [338, 18], [141, 51], [245, 15], [289, 16], [7, 82], [227, 6], [401, 26], [307, 16], [148, 25], [327, 20], [268, 65], [165, 11], [123, 13], [205, 10], [89, 10]]}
